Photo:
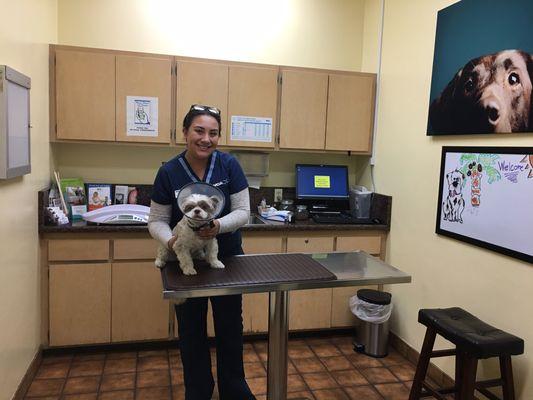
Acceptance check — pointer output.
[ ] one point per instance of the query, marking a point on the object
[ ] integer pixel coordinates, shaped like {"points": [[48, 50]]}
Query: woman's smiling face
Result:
{"points": [[202, 136]]}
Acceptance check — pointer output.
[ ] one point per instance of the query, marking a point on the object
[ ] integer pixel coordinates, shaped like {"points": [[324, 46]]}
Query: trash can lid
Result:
{"points": [[374, 296]]}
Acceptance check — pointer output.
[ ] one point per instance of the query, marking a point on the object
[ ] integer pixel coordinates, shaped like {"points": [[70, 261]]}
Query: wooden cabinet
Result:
{"points": [[253, 92], [320, 110], [255, 305], [79, 304], [84, 95], [301, 302], [139, 311], [201, 83], [143, 77], [350, 112], [303, 110], [104, 288]]}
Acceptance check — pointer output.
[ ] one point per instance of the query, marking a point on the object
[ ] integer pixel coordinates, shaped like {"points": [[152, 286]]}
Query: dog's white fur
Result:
{"points": [[200, 210], [454, 203]]}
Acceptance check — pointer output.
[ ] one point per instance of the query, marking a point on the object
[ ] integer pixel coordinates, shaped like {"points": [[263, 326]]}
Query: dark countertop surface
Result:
{"points": [[309, 225], [381, 209]]}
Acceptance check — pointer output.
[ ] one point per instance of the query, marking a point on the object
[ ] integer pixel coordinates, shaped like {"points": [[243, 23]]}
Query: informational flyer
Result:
{"points": [[141, 116], [251, 129]]}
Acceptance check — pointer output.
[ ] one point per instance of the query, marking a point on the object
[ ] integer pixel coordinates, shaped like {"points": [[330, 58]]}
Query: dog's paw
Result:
{"points": [[159, 263], [189, 271], [217, 264]]}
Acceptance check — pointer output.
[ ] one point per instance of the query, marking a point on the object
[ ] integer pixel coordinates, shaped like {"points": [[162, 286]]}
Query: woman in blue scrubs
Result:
{"points": [[202, 162]]}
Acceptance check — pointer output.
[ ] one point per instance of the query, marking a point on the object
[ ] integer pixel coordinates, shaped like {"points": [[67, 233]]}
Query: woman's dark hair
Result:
{"points": [[201, 110]]}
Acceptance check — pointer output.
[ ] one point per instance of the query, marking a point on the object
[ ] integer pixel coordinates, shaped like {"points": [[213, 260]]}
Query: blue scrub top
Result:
{"points": [[223, 171]]}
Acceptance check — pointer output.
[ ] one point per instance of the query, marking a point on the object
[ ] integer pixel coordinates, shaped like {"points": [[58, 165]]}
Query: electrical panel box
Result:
{"points": [[14, 123]]}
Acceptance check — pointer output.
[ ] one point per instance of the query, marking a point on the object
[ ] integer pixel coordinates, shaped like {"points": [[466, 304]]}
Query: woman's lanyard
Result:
{"points": [[192, 176]]}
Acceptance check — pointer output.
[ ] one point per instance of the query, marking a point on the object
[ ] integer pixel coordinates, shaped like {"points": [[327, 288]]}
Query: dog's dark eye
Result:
{"points": [[513, 79], [469, 85], [188, 208]]}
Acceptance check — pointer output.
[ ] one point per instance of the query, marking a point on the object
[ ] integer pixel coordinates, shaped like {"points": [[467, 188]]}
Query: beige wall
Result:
{"points": [[26, 29], [310, 33], [446, 272]]}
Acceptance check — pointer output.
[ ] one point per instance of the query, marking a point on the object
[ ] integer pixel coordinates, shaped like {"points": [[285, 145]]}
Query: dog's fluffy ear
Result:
{"points": [[440, 111], [215, 200]]}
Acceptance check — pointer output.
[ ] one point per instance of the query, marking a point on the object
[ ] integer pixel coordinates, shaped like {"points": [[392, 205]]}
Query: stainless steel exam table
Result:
{"points": [[278, 274]]}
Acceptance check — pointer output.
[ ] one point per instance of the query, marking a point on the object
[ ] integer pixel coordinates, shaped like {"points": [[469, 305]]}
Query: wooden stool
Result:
{"points": [[474, 340]]}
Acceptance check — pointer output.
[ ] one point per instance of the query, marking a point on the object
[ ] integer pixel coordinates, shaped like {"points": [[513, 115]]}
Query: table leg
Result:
{"points": [[278, 328]]}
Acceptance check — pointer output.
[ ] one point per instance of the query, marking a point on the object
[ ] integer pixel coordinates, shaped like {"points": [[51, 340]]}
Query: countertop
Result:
{"points": [[381, 209]]}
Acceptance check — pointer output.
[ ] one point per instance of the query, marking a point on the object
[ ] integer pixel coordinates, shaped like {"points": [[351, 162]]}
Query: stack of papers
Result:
{"points": [[274, 215]]}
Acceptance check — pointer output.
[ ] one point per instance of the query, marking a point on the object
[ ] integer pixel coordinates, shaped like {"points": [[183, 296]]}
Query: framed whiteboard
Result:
{"points": [[486, 198]]}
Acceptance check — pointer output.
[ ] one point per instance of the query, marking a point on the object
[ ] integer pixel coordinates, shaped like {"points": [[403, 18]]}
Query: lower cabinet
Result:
{"points": [[106, 289], [309, 309], [138, 310], [79, 303]]}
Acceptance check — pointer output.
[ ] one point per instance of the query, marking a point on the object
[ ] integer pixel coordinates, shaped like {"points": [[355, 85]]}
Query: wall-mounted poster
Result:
{"points": [[486, 198], [482, 68]]}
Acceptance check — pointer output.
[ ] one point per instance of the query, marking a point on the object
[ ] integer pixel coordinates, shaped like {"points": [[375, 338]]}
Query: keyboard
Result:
{"points": [[342, 219]]}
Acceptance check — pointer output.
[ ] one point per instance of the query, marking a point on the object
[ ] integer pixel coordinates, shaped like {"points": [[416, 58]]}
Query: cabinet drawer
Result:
{"points": [[78, 249], [134, 249], [309, 244], [369, 244]]}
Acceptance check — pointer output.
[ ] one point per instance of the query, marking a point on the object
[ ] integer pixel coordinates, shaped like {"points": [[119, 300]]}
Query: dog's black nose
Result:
{"points": [[197, 211], [493, 113]]}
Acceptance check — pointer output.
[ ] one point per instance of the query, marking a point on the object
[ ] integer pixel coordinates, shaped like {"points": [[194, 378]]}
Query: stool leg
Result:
{"points": [[423, 363], [459, 364], [468, 378], [506, 370]]}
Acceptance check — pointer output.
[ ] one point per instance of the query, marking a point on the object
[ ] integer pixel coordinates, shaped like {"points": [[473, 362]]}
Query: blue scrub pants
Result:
{"points": [[194, 347]]}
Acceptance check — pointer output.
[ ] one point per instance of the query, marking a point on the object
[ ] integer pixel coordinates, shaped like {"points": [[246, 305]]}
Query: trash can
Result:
{"points": [[373, 309]]}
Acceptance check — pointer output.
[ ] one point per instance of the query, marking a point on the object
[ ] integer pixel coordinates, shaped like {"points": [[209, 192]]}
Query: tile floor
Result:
{"points": [[323, 368]]}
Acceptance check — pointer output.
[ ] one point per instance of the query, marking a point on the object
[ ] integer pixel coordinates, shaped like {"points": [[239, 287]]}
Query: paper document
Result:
{"points": [[252, 129], [141, 116]]}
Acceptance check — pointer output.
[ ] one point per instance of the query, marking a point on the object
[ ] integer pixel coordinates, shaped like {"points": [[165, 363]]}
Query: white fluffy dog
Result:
{"points": [[199, 211]]}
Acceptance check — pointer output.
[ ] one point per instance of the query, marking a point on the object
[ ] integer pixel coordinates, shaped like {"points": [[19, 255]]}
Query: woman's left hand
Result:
{"points": [[209, 231]]}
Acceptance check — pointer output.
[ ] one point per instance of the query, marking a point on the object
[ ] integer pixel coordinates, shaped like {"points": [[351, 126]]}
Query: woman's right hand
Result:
{"points": [[171, 242]]}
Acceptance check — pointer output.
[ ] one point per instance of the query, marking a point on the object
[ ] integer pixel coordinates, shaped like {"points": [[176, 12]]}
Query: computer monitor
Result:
{"points": [[323, 188]]}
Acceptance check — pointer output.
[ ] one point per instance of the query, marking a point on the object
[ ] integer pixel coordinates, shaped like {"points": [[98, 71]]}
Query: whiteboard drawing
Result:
{"points": [[485, 198]]}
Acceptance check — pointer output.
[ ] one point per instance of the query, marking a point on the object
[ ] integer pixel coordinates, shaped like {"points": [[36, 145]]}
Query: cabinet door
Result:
{"points": [[303, 110], [253, 92], [144, 77], [201, 83], [341, 315], [350, 112], [301, 302], [85, 95], [255, 305], [138, 309], [80, 304]]}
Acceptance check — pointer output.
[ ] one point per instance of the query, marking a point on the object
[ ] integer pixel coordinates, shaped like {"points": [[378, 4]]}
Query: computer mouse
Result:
{"points": [[376, 221]]}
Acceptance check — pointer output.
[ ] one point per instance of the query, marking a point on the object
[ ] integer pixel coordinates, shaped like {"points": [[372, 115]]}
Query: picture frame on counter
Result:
{"points": [[98, 196], [485, 197]]}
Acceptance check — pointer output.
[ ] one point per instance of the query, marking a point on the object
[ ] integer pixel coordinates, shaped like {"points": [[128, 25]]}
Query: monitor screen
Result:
{"points": [[321, 182]]}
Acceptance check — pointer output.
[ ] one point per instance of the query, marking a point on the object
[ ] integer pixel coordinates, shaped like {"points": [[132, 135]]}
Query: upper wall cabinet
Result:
{"points": [[252, 106], [350, 114], [304, 97], [143, 92], [84, 95], [201, 83]]}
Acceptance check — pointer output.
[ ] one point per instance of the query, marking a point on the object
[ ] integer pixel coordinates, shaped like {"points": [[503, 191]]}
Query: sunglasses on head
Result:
{"points": [[209, 109]]}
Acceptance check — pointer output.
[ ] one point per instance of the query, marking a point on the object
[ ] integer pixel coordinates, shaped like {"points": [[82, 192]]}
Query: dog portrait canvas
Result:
{"points": [[482, 76]]}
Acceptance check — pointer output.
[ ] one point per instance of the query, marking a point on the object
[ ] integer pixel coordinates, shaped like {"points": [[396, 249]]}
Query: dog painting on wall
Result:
{"points": [[454, 204], [490, 94]]}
